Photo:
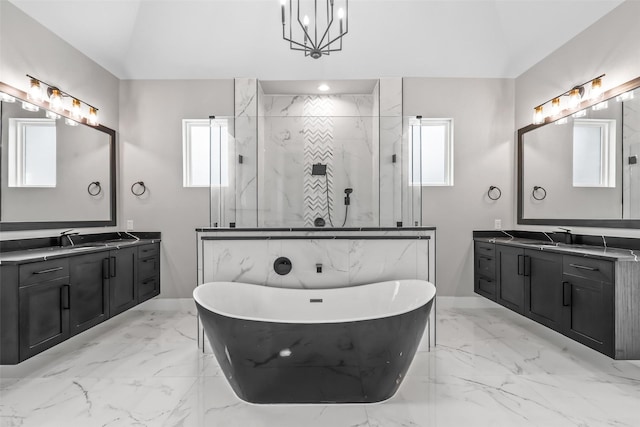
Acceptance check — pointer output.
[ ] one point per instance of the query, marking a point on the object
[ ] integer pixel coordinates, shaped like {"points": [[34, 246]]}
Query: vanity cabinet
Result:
{"points": [[42, 303], [571, 294], [89, 298], [148, 272]]}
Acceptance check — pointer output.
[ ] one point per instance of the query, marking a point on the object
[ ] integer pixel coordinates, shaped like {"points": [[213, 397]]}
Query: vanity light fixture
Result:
{"points": [[317, 40], [576, 95], [55, 97]]}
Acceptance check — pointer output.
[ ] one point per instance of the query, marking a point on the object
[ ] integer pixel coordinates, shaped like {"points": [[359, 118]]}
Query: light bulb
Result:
{"points": [[29, 107], [341, 13], [282, 4], [555, 106], [35, 91], [596, 88], [93, 116], [6, 98], [574, 97], [52, 115], [55, 100], [538, 116], [75, 108], [70, 122], [305, 21]]}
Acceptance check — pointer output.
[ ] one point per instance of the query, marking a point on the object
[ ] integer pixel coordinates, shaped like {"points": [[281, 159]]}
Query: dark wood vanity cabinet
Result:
{"points": [[573, 295], [89, 276], [43, 303]]}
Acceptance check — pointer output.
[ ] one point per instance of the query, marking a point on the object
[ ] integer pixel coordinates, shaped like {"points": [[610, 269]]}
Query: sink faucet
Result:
{"points": [[67, 234], [567, 236]]}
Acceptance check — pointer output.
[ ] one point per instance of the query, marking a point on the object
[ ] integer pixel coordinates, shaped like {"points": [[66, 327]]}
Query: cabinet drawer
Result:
{"points": [[42, 271], [486, 266], [147, 267], [146, 251], [588, 268], [483, 248]]}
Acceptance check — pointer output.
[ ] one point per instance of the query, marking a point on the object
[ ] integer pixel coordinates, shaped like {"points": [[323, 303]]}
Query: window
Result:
{"points": [[431, 152], [594, 153], [32, 152], [205, 155]]}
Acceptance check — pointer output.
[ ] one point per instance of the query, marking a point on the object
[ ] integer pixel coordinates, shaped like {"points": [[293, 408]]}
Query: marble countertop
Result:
{"points": [[601, 252], [53, 252]]}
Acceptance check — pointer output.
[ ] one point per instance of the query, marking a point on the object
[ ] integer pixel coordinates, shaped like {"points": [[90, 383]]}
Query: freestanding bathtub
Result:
{"points": [[339, 345]]}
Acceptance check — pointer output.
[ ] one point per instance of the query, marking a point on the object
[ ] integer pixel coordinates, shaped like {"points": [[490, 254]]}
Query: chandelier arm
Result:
{"points": [[327, 30], [313, 45], [304, 46], [329, 43]]}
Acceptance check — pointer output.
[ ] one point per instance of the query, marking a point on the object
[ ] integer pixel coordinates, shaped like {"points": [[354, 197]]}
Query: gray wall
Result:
{"points": [[151, 113], [611, 46], [482, 111], [26, 47]]}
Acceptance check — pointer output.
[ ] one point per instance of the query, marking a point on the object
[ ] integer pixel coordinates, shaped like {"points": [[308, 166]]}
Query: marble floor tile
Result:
{"points": [[490, 367]]}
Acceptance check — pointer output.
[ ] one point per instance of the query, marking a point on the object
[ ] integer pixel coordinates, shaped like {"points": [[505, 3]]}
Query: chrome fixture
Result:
{"points": [[55, 96], [575, 96], [316, 41]]}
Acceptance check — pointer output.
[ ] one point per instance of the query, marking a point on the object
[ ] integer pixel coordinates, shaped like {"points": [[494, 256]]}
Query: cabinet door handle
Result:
{"points": [[49, 270], [66, 297], [485, 257], [584, 267], [148, 281], [486, 249], [105, 268], [520, 265], [113, 266], [566, 294], [527, 265]]}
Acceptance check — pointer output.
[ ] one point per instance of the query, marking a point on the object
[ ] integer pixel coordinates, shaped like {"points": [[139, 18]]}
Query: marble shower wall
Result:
{"points": [[340, 131]]}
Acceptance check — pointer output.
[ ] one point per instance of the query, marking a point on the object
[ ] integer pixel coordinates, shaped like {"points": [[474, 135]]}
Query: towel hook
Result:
{"points": [[97, 186], [537, 188], [141, 184], [490, 193]]}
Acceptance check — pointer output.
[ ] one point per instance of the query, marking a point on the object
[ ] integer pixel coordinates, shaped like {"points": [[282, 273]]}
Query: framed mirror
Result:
{"points": [[582, 166], [55, 171]]}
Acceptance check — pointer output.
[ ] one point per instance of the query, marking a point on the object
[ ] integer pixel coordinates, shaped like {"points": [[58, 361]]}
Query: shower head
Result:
{"points": [[318, 169]]}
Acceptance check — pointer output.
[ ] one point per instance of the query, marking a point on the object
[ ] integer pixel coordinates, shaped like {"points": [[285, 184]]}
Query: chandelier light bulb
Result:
{"points": [[55, 100], [574, 97], [282, 4], [35, 91]]}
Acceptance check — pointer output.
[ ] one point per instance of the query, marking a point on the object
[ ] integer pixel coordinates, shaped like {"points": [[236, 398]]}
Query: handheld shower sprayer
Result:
{"points": [[347, 192]]}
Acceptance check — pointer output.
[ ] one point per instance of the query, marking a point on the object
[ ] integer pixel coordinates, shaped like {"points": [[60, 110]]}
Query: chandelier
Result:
{"points": [[321, 38]]}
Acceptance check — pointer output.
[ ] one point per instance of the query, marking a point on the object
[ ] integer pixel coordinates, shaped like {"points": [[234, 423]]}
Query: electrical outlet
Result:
{"points": [[497, 224], [129, 225]]}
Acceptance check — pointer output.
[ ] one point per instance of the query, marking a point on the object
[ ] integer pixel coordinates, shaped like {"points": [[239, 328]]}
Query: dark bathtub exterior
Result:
{"points": [[352, 362]]}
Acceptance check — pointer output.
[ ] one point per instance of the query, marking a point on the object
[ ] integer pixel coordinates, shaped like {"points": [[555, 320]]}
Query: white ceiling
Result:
{"points": [[203, 39]]}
